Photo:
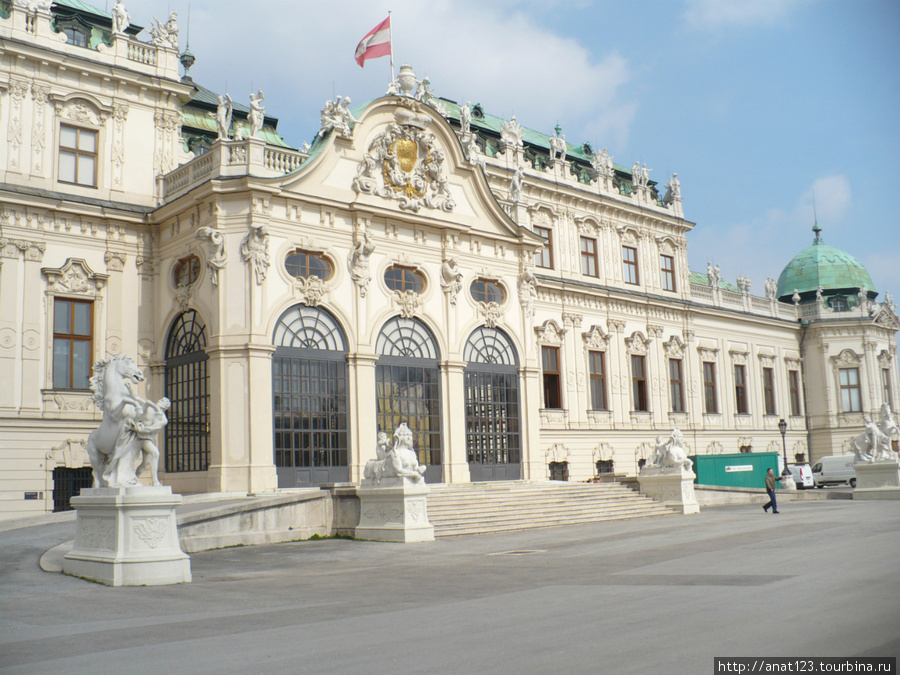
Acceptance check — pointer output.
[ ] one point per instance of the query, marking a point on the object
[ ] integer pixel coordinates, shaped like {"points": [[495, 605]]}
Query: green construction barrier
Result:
{"points": [[746, 470]]}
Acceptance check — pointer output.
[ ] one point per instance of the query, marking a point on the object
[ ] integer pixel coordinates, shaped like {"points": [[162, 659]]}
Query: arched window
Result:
{"points": [[187, 387], [309, 398], [493, 435], [409, 389]]}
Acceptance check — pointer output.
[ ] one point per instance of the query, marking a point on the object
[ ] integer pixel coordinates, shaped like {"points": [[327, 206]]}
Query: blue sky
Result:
{"points": [[761, 106]]}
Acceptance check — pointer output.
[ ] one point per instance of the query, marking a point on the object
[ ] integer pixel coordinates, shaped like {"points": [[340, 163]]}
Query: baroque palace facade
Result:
{"points": [[524, 304]]}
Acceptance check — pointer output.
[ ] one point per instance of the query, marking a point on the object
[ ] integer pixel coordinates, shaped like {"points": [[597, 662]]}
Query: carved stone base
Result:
{"points": [[128, 536], [877, 480], [394, 510], [670, 487]]}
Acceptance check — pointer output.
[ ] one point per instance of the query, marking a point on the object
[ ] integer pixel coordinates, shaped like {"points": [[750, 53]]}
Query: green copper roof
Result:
{"points": [[825, 266], [701, 279], [82, 7]]}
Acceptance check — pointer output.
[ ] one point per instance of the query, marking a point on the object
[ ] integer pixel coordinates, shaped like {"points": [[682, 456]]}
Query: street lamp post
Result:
{"points": [[785, 472]]}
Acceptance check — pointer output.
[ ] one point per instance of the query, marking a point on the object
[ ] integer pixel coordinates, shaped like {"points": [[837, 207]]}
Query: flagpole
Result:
{"points": [[391, 38]]}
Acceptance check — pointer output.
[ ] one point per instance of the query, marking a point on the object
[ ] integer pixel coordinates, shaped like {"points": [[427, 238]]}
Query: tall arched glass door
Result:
{"points": [[309, 398], [409, 388], [493, 436], [187, 387]]}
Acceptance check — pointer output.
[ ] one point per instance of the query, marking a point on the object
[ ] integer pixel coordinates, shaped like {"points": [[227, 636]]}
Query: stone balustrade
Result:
{"points": [[250, 156], [721, 297]]}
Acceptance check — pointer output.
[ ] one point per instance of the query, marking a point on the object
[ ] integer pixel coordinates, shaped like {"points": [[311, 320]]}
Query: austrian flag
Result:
{"points": [[377, 42]]}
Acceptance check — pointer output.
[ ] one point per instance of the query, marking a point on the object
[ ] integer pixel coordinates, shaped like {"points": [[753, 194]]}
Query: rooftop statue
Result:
{"points": [[257, 113], [558, 148], [336, 115], [223, 116], [465, 117], [165, 34], [512, 133], [602, 163], [673, 189], [128, 427], [713, 275], [121, 19], [771, 288]]}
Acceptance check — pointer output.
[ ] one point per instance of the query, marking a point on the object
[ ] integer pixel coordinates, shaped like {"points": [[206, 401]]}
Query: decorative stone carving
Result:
{"points": [[408, 301], [595, 338], [558, 146], [558, 452], [490, 313], [115, 261], [165, 34], [674, 348], [255, 250], [451, 279], [216, 256], [549, 333], [71, 453], [511, 134], [771, 288], [640, 176], [602, 162], [313, 288], [396, 460], [637, 344], [846, 359], [795, 298], [336, 115], [715, 448], [473, 151], [121, 19], [257, 113], [515, 185], [75, 277], [403, 163], [602, 452], [183, 295], [767, 360], [673, 190], [465, 117], [669, 455], [744, 284], [527, 287], [358, 263], [224, 113]]}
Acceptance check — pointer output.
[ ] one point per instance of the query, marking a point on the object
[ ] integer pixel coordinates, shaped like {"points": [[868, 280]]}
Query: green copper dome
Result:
{"points": [[825, 266]]}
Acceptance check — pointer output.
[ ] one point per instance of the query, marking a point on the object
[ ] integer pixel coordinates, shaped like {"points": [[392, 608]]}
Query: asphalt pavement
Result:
{"points": [[653, 595]]}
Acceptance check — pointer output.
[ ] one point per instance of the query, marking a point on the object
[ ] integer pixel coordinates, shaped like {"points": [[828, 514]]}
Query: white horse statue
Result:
{"points": [[397, 460], [114, 447], [867, 446]]}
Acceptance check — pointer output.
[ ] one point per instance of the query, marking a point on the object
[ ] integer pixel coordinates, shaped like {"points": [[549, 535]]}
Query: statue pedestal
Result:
{"points": [[128, 536], [394, 510], [877, 480], [670, 487]]}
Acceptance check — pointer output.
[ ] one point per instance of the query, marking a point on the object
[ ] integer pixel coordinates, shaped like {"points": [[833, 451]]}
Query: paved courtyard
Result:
{"points": [[656, 595]]}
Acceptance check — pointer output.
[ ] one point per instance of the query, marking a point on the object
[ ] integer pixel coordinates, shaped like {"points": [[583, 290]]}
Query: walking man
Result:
{"points": [[770, 490]]}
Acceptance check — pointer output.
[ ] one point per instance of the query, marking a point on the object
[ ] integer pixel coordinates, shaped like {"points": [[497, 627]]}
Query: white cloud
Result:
{"points": [[493, 53], [762, 247], [714, 14]]}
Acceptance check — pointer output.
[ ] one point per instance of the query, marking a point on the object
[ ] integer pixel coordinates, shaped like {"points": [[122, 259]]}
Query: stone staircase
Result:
{"points": [[479, 508]]}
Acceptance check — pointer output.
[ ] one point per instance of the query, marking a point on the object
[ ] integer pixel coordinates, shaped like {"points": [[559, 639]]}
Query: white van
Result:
{"points": [[801, 473], [834, 470]]}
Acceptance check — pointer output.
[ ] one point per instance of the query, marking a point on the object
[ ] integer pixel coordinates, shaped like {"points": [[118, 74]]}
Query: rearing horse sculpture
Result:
{"points": [[113, 448]]}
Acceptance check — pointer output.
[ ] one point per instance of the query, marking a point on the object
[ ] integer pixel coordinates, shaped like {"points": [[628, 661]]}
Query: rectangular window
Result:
{"points": [[597, 370], [740, 390], [676, 385], [639, 383], [769, 390], [850, 390], [794, 382], [887, 393], [552, 388], [629, 265], [589, 256], [544, 258], [667, 272], [709, 387], [77, 156], [73, 322]]}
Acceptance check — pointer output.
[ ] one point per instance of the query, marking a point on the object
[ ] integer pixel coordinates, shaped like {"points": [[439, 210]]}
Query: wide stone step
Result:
{"points": [[480, 508]]}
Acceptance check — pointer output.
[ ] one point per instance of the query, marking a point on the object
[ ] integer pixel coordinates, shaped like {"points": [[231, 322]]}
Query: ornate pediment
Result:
{"points": [[846, 359], [602, 452], [549, 333], [75, 278], [767, 360], [674, 347], [637, 343], [403, 163], [595, 338], [558, 452], [81, 109]]}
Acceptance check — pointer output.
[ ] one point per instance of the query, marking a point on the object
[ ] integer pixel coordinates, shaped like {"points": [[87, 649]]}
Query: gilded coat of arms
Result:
{"points": [[403, 163]]}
